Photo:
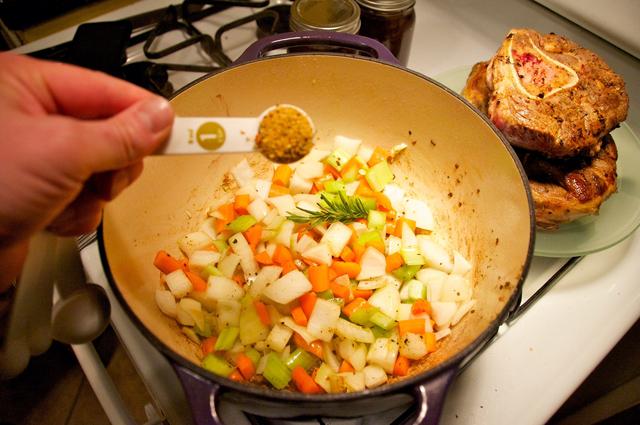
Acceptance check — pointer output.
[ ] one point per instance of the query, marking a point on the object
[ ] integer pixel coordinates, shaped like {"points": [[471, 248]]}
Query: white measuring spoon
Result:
{"points": [[197, 135]]}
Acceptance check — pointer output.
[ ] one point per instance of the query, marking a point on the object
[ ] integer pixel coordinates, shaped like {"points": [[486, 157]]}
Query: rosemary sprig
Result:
{"points": [[343, 209]]}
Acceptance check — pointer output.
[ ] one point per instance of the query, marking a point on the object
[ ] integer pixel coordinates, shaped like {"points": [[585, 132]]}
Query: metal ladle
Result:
{"points": [[81, 316]]}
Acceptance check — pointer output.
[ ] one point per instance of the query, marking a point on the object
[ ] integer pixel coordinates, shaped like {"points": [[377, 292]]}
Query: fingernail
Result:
{"points": [[156, 113]]}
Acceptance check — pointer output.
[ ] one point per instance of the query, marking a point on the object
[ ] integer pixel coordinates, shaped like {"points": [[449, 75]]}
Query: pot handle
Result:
{"points": [[430, 398], [307, 38], [202, 395]]}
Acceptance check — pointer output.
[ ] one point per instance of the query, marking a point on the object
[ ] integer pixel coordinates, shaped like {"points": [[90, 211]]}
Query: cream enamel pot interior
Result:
{"points": [[456, 161]]}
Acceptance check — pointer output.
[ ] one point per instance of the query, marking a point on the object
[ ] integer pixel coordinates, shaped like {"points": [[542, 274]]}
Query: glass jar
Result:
{"points": [[328, 15], [390, 22]]}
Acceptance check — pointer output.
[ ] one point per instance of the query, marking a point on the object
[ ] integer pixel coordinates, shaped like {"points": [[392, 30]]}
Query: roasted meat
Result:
{"points": [[564, 190], [549, 95]]}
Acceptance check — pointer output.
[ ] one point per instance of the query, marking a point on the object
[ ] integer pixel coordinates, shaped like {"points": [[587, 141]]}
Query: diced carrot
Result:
{"points": [[282, 175], [198, 283], [364, 189], [236, 376], [346, 267], [184, 263], [377, 244], [362, 293], [358, 250], [332, 275], [430, 341], [262, 311], [245, 366], [353, 306], [227, 213], [314, 347], [354, 163], [389, 228], [239, 279], [220, 225], [414, 326], [401, 366], [288, 266], [397, 231], [166, 263], [278, 190], [307, 302], [328, 169], [379, 155], [347, 254], [303, 382], [253, 235], [208, 345], [340, 291], [240, 203], [314, 189], [421, 306], [298, 316], [345, 366], [319, 277], [383, 203], [282, 255], [263, 258], [394, 261]]}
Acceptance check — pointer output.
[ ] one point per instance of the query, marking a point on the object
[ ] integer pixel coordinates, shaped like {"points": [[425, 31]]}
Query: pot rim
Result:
{"points": [[453, 362]]}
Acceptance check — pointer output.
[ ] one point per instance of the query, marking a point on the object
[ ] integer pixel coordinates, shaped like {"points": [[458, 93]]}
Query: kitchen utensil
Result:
{"points": [[456, 160], [29, 326], [232, 135], [619, 215], [81, 316]]}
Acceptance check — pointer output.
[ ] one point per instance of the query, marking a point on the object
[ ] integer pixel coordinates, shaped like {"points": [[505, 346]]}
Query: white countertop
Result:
{"points": [[535, 365]]}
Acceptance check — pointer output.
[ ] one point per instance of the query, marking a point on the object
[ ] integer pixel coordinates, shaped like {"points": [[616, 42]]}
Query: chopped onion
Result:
{"points": [[166, 302], [243, 173]]}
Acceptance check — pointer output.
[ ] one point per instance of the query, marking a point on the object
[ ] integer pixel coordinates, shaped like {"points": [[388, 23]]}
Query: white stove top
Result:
{"points": [[533, 366]]}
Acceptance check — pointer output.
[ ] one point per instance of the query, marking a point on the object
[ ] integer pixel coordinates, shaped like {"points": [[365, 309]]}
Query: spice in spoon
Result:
{"points": [[285, 134]]}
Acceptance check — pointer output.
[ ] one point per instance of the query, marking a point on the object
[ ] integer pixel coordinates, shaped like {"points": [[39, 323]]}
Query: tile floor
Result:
{"points": [[53, 390]]}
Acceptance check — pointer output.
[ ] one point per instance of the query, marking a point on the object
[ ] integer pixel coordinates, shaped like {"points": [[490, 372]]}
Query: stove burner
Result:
{"points": [[154, 75]]}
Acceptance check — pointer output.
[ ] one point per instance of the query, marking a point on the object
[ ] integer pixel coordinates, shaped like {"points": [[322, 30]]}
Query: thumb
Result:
{"points": [[125, 138]]}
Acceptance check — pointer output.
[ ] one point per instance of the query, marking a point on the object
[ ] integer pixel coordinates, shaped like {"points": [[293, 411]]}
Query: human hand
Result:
{"points": [[70, 140]]}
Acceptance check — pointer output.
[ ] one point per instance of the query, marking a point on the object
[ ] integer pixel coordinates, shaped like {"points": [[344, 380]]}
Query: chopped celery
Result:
{"points": [[334, 186], [362, 315], [337, 159], [406, 272], [416, 290], [205, 331], [211, 270], [369, 236], [227, 338], [252, 329], [378, 332], [217, 365], [379, 176], [376, 220], [253, 354], [301, 358], [412, 257], [241, 223], [276, 371], [368, 203], [325, 295], [382, 320], [221, 245]]}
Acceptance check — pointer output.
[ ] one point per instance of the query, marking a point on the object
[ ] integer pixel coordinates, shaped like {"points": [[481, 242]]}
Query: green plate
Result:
{"points": [[619, 216]]}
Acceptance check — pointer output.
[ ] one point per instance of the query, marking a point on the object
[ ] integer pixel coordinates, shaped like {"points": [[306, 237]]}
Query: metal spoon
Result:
{"points": [[283, 133], [81, 316]]}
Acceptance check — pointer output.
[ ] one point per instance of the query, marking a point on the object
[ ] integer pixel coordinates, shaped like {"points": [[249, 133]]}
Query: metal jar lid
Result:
{"points": [[329, 15], [387, 5]]}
